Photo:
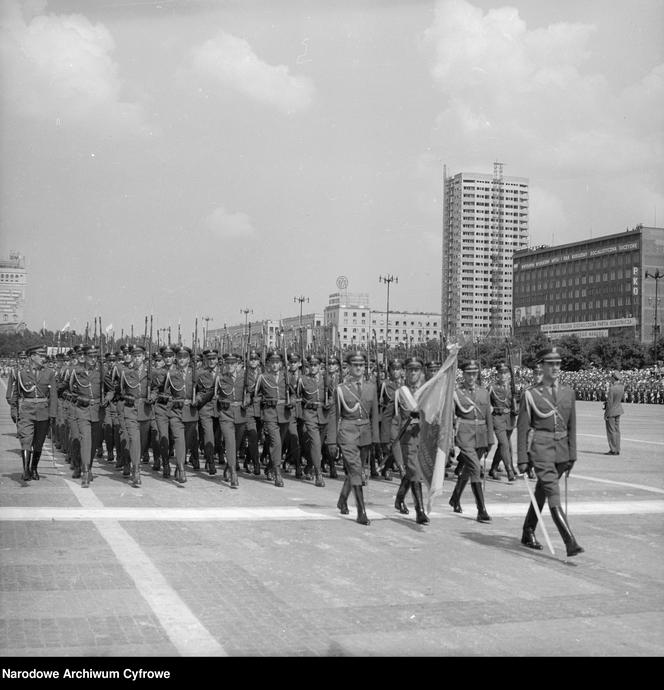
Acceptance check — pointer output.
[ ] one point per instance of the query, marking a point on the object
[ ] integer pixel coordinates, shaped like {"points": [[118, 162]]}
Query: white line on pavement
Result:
{"points": [[188, 635], [627, 484], [633, 440]]}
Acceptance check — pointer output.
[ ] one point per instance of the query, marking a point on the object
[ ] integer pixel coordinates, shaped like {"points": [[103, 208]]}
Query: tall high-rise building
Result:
{"points": [[485, 220], [13, 280]]}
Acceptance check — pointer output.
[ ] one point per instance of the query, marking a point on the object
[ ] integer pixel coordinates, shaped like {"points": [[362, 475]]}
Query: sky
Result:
{"points": [[199, 158]]}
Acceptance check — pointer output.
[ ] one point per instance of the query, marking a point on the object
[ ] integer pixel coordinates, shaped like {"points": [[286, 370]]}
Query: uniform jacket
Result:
{"points": [[500, 398], [272, 390], [311, 389], [179, 386], [613, 405], [85, 387], [474, 421], [542, 419], [231, 398], [133, 391], [34, 392], [357, 411], [206, 395]]}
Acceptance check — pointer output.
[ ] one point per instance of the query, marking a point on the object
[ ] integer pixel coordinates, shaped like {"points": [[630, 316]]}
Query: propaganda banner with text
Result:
{"points": [[435, 400]]}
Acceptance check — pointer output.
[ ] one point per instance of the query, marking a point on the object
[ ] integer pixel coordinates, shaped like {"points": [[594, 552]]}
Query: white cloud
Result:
{"points": [[227, 225], [521, 96], [59, 68], [232, 62]]}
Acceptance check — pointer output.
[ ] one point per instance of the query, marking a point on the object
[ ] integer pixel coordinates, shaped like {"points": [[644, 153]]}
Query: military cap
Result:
{"points": [[254, 354], [59, 355], [158, 357], [550, 355], [137, 348], [36, 350], [111, 356], [395, 363], [537, 368], [333, 359], [183, 350], [355, 356], [313, 359], [274, 354], [77, 349], [293, 358], [90, 350], [210, 354], [502, 368], [434, 364], [167, 351], [413, 363], [470, 366]]}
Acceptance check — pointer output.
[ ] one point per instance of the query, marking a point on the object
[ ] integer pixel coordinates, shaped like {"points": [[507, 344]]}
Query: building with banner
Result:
{"points": [[593, 288], [13, 281]]}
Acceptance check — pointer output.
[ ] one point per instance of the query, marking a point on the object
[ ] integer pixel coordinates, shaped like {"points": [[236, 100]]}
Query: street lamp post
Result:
{"points": [[207, 319], [246, 311], [388, 279], [301, 299], [656, 276]]}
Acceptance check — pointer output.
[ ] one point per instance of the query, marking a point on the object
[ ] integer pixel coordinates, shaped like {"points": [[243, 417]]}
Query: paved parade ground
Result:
{"points": [[169, 570]]}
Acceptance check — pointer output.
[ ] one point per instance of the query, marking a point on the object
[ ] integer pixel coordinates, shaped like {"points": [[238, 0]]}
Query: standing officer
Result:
{"points": [[87, 387], [408, 419], [546, 439], [356, 403], [232, 402], [316, 404], [504, 418], [136, 409], [612, 410], [474, 436], [208, 412], [276, 410], [182, 412], [33, 404]]}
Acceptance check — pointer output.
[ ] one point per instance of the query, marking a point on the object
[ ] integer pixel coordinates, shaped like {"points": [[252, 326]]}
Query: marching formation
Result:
{"points": [[280, 413]]}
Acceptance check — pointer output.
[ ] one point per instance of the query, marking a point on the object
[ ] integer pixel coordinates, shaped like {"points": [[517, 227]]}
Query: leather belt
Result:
{"points": [[557, 435], [26, 397], [476, 422]]}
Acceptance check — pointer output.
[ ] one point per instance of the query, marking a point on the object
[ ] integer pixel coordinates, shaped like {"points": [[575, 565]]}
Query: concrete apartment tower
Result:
{"points": [[485, 220]]}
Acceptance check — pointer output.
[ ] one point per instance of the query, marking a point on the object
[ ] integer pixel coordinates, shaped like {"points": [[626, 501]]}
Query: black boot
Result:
{"points": [[278, 481], [234, 480], [565, 532], [319, 477], [85, 477], [342, 503], [528, 537], [361, 510], [455, 499], [399, 502], [482, 515], [166, 469], [136, 475], [35, 461], [416, 488], [25, 456]]}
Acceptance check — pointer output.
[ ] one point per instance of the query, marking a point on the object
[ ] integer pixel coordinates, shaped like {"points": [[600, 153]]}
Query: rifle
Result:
{"points": [[283, 343], [326, 375], [246, 367], [145, 332], [194, 338], [149, 388], [515, 406], [101, 367]]}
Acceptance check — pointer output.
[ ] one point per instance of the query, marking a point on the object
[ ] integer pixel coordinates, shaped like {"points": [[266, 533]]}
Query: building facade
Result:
{"points": [[13, 283], [590, 289], [485, 220], [406, 328], [263, 334]]}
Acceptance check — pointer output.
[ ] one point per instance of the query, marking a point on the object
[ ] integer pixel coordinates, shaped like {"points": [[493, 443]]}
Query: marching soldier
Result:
{"points": [[316, 404], [292, 446], [254, 427], [208, 412], [474, 437], [136, 409], [33, 403], [89, 394], [179, 387], [329, 443], [500, 395], [161, 407], [276, 410], [388, 388], [356, 403], [546, 439], [232, 402], [407, 423]]}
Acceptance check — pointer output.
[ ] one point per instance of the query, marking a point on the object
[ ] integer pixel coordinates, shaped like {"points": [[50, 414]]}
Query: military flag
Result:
{"points": [[435, 400]]}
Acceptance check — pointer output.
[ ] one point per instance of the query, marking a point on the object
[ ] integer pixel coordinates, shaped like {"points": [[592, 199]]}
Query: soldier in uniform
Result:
{"points": [[232, 400], [316, 404], [386, 407], [504, 418], [546, 439], [356, 403], [612, 410], [292, 445], [254, 427], [407, 418], [432, 368], [89, 393], [161, 407], [179, 386], [276, 410], [208, 412], [33, 404], [474, 437], [137, 409], [329, 442]]}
